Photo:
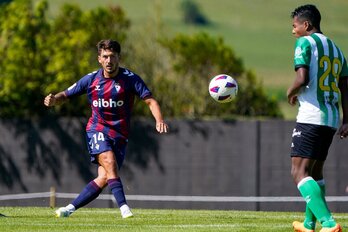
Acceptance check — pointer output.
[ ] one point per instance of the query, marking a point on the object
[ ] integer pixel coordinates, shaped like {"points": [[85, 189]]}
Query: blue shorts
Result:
{"points": [[98, 142], [311, 141]]}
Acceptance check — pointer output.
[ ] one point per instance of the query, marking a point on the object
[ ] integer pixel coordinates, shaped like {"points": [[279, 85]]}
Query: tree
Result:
{"points": [[196, 59], [41, 56], [24, 31], [4, 1], [192, 13]]}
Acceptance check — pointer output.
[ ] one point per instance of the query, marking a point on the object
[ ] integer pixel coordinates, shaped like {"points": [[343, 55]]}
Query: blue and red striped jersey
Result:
{"points": [[111, 100]]}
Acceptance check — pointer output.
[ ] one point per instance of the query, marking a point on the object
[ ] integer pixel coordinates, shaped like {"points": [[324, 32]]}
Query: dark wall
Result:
{"points": [[197, 158]]}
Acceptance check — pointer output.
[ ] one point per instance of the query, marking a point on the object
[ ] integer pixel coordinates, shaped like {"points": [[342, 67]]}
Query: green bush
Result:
{"points": [[42, 55], [196, 59]]}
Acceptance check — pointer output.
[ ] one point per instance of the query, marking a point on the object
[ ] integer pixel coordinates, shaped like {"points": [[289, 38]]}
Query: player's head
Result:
{"points": [[109, 44], [306, 20], [109, 56]]}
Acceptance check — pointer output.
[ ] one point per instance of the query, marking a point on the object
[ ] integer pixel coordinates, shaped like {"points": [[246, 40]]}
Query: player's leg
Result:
{"points": [[318, 176], [311, 191], [316, 171], [108, 160], [326, 135], [299, 170], [88, 194], [310, 144]]}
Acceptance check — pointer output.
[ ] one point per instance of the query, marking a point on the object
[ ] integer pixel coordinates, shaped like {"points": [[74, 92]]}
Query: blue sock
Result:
{"points": [[88, 194], [117, 190]]}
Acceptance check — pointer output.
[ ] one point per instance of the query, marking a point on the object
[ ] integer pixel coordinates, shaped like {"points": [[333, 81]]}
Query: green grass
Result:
{"points": [[90, 219]]}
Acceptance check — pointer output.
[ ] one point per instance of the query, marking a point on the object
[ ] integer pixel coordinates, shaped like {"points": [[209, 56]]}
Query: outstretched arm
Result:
{"points": [[155, 109], [52, 100], [343, 86]]}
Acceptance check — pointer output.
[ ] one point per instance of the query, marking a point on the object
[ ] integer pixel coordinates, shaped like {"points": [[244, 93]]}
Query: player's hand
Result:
{"points": [[292, 100], [162, 127], [50, 100], [343, 131]]}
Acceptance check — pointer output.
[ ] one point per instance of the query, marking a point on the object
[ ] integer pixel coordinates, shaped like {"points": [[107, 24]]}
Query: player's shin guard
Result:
{"points": [[117, 190], [310, 219], [321, 184], [312, 194]]}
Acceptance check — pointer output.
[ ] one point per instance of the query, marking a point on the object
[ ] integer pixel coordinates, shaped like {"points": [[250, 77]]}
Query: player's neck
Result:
{"points": [[314, 30]]}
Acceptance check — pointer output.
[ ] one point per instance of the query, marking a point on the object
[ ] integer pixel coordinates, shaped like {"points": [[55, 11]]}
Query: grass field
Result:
{"points": [[29, 219]]}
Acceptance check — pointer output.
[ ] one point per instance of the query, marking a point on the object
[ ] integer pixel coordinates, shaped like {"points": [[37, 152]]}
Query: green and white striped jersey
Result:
{"points": [[326, 63]]}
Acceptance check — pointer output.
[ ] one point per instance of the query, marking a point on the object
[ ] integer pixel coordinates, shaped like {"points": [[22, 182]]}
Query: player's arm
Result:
{"points": [[302, 78], [155, 109], [343, 86], [55, 99]]}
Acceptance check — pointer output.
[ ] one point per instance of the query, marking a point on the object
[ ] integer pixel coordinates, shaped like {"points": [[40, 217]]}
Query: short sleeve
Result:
{"points": [[78, 88], [141, 89], [302, 56]]}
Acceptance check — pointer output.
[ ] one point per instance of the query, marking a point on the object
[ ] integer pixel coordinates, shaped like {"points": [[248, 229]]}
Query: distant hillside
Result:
{"points": [[259, 31]]}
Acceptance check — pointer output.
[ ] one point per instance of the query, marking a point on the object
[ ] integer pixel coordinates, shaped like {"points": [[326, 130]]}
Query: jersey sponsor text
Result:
{"points": [[101, 102]]}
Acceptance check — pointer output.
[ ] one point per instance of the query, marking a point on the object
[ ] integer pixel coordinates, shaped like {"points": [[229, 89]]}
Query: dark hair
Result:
{"points": [[310, 13], [109, 44]]}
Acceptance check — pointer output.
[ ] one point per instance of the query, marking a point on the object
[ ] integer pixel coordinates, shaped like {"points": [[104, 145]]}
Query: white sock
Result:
{"points": [[70, 207]]}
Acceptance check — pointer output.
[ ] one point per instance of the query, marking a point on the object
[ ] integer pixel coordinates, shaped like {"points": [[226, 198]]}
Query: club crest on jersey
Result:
{"points": [[298, 53], [117, 87]]}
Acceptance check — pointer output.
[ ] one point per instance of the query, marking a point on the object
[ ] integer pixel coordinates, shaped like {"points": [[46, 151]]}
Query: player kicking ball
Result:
{"points": [[110, 91], [321, 75]]}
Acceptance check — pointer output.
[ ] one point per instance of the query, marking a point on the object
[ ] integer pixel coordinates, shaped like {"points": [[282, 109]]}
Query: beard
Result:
{"points": [[111, 69]]}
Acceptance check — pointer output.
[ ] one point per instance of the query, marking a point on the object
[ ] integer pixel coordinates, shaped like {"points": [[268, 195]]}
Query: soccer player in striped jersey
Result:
{"points": [[111, 91], [321, 75]]}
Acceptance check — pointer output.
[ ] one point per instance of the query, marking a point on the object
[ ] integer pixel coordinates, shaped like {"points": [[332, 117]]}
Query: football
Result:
{"points": [[223, 88]]}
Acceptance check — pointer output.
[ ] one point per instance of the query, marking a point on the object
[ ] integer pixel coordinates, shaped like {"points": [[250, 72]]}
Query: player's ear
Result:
{"points": [[307, 25]]}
